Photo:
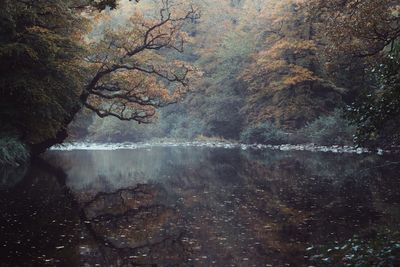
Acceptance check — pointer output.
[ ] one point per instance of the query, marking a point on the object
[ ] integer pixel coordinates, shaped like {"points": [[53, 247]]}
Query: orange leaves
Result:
{"points": [[357, 28], [280, 66], [131, 60], [288, 51], [285, 72], [297, 75], [290, 46]]}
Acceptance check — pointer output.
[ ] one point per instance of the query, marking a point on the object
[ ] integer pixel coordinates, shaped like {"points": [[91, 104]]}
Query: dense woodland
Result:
{"points": [[258, 71]]}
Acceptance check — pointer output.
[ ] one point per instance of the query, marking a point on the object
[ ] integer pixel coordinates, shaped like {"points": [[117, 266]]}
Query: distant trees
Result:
{"points": [[286, 81], [221, 48], [320, 55], [276, 63], [223, 96], [283, 64]]}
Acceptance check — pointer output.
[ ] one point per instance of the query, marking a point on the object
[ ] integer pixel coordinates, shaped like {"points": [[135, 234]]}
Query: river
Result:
{"points": [[195, 206]]}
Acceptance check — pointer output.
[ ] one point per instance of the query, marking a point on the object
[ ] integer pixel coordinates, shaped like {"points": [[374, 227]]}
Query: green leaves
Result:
{"points": [[377, 111], [40, 76]]}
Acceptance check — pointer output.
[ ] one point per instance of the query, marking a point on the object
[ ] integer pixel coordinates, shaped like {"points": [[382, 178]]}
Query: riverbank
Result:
{"points": [[212, 144]]}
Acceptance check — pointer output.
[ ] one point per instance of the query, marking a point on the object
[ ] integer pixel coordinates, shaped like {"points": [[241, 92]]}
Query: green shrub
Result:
{"points": [[376, 112], [265, 133], [331, 129], [12, 151]]}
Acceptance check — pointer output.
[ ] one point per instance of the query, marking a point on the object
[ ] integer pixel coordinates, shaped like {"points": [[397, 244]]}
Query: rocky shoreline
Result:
{"points": [[214, 144]]}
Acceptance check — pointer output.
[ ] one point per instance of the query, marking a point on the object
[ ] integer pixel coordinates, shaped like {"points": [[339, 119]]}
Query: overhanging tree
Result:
{"points": [[52, 68], [133, 75]]}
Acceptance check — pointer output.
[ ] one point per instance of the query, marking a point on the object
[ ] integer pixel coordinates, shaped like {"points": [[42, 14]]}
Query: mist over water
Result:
{"points": [[202, 206]]}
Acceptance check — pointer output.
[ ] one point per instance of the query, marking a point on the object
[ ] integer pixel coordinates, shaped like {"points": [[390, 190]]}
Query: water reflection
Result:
{"points": [[193, 207]]}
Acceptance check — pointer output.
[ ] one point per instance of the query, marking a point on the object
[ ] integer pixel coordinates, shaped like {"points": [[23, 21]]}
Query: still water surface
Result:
{"points": [[192, 206]]}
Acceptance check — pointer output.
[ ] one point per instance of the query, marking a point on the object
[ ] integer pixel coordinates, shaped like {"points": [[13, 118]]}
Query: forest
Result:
{"points": [[199, 133], [258, 71]]}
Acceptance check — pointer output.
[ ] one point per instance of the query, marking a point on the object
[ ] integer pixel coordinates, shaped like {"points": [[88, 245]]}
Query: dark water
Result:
{"points": [[192, 207]]}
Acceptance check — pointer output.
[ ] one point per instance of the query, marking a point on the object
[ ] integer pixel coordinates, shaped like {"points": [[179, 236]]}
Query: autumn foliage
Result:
{"points": [[252, 63], [58, 64]]}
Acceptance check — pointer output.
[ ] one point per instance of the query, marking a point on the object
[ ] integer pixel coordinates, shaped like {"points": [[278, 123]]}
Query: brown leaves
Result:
{"points": [[288, 53], [131, 62], [358, 28]]}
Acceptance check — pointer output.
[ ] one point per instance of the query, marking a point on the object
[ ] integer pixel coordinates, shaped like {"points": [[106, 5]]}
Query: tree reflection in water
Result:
{"points": [[194, 207], [135, 228]]}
